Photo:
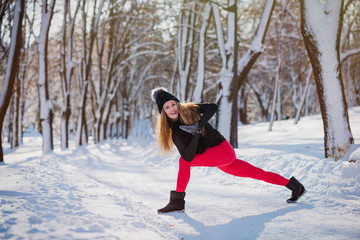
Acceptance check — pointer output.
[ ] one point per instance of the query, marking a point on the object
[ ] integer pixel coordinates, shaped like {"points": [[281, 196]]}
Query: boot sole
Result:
{"points": [[176, 211]]}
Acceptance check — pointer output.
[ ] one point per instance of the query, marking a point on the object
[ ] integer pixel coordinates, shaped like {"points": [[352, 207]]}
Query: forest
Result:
{"points": [[84, 69]]}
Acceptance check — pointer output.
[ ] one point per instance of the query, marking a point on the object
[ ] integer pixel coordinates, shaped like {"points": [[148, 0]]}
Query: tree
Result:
{"points": [[67, 68], [46, 108], [321, 24], [227, 75], [185, 40], [88, 40], [200, 80], [231, 81], [12, 66], [279, 60]]}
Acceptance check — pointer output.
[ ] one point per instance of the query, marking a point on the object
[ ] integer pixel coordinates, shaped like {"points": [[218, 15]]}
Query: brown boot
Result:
{"points": [[177, 203]]}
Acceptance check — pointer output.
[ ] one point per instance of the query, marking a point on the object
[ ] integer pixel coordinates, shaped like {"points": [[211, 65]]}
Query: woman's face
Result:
{"points": [[171, 110]]}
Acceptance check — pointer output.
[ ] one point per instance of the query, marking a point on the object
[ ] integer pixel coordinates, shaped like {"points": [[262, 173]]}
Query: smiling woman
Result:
{"points": [[171, 110], [186, 126]]}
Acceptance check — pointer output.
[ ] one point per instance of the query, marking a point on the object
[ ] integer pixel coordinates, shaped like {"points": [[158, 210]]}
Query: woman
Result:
{"points": [[186, 126]]}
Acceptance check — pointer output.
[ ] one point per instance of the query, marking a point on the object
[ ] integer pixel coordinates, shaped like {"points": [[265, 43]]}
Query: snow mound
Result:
{"points": [[355, 155]]}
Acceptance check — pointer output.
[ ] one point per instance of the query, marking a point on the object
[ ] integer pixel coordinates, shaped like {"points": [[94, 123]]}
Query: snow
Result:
{"points": [[112, 190], [355, 155]]}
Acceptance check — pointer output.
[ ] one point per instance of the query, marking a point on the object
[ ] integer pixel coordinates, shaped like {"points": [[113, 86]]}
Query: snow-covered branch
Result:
{"points": [[349, 53]]}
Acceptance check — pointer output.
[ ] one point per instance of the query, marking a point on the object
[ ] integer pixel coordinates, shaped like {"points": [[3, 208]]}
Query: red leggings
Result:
{"points": [[223, 157]]}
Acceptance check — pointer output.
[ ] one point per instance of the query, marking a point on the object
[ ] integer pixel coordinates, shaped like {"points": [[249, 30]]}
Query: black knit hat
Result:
{"points": [[160, 96]]}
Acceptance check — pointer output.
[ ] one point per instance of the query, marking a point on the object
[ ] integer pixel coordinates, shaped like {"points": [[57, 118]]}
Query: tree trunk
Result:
{"points": [[256, 48], [16, 114], [46, 108], [12, 65], [185, 47], [199, 88], [277, 96], [321, 25], [86, 62], [243, 67], [227, 71], [67, 69], [125, 118]]}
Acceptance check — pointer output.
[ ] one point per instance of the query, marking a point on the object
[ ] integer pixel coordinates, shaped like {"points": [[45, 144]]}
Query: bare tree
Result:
{"points": [[200, 79], [276, 93], [227, 53], [67, 68], [12, 64], [88, 40], [46, 108], [321, 25], [230, 86], [185, 40]]}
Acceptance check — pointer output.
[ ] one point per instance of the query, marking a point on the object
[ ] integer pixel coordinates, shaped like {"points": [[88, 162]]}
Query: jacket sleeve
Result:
{"points": [[207, 110], [188, 151]]}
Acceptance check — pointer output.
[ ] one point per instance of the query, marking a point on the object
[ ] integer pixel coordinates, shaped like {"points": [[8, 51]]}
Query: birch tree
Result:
{"points": [[229, 90], [12, 65], [227, 53], [185, 40], [276, 93], [67, 68], [105, 83], [350, 51], [46, 108], [88, 40], [321, 25], [200, 78]]}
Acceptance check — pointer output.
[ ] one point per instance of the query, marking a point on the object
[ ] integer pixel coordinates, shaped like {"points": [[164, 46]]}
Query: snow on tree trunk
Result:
{"points": [[46, 108], [86, 62], [67, 68], [248, 60], [16, 117], [321, 29], [227, 71], [243, 65], [125, 118], [185, 48], [12, 65], [81, 130], [199, 88]]}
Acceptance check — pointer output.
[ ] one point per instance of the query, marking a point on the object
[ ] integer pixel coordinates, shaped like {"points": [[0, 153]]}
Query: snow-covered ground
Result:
{"points": [[112, 190]]}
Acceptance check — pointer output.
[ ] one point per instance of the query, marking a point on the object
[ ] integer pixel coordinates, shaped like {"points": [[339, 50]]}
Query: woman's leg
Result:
{"points": [[213, 157], [183, 175], [223, 156], [241, 168]]}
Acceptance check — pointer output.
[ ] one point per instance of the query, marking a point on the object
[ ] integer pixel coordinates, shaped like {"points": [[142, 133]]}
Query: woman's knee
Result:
{"points": [[183, 163]]}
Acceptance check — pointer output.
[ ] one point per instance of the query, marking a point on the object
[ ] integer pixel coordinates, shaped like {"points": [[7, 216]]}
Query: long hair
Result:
{"points": [[188, 115]]}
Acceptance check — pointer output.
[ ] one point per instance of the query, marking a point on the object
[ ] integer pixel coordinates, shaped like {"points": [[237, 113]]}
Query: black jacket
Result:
{"points": [[189, 145]]}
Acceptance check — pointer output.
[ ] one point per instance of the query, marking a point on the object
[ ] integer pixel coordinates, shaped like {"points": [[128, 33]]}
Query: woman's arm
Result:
{"points": [[188, 151], [207, 110]]}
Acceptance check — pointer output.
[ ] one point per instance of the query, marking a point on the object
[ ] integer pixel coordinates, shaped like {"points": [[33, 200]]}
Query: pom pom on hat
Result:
{"points": [[156, 91], [160, 96]]}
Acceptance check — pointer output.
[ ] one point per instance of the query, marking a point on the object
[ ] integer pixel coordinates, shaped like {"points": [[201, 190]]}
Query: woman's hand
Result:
{"points": [[193, 129]]}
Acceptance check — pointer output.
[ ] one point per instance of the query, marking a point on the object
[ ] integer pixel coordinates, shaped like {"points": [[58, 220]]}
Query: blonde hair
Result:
{"points": [[188, 115]]}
